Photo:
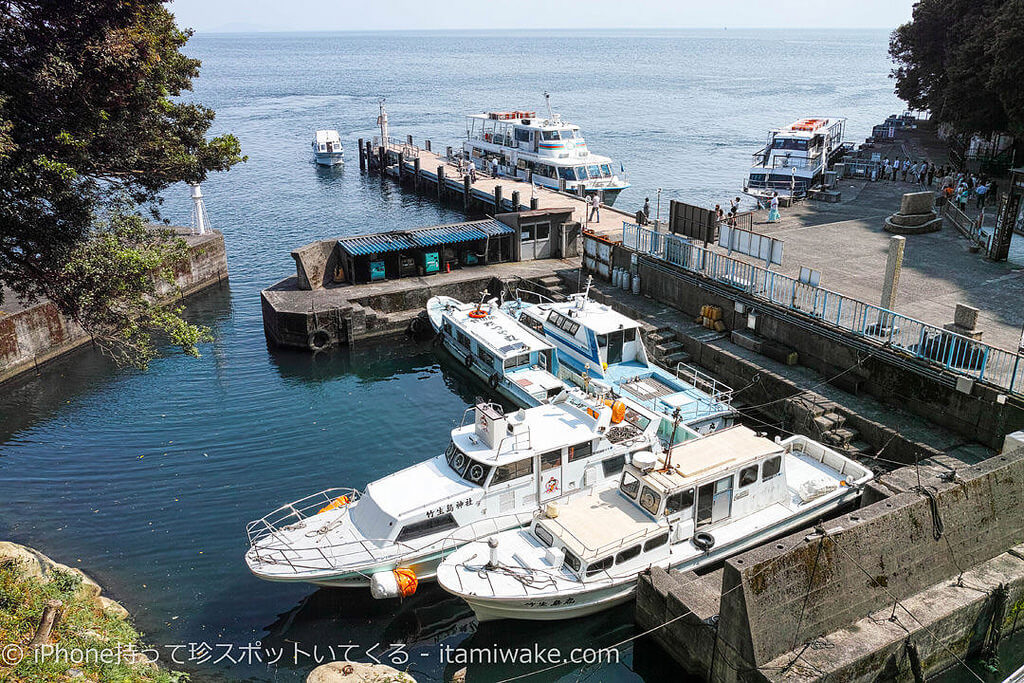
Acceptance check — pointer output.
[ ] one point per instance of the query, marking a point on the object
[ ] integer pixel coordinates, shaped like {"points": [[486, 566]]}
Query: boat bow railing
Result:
{"points": [[718, 391]]}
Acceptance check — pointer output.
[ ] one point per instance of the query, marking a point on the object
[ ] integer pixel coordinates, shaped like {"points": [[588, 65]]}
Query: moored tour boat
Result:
{"points": [[712, 498], [795, 158], [548, 150]]}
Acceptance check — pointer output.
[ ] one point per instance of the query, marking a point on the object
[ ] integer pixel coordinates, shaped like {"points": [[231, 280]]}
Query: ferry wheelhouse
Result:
{"points": [[494, 473], [493, 346], [795, 158], [598, 346], [549, 150], [713, 498], [327, 149]]}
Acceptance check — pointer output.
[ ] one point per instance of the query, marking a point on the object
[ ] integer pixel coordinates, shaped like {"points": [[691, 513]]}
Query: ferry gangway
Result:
{"points": [[925, 345]]}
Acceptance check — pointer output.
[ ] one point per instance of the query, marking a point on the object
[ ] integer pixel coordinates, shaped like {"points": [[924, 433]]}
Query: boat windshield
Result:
{"points": [[567, 172], [790, 143], [467, 468]]}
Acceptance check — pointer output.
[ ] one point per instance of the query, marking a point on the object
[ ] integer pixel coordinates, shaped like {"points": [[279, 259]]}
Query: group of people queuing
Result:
{"points": [[919, 172], [957, 187], [961, 187]]}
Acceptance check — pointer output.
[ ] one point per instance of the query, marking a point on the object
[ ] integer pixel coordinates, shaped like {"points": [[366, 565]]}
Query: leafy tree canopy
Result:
{"points": [[962, 61], [91, 131]]}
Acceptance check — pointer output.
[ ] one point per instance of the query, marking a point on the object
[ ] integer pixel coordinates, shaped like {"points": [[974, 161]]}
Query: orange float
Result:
{"points": [[407, 581]]}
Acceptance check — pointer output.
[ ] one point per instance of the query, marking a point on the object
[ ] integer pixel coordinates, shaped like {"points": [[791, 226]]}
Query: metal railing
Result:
{"points": [[797, 187], [890, 331], [718, 391]]}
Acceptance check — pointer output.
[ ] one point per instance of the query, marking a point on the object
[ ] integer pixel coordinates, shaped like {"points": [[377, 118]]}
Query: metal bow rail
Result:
{"points": [[890, 331]]}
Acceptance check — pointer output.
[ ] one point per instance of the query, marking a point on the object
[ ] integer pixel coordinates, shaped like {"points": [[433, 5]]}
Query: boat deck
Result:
{"points": [[657, 390], [593, 524]]}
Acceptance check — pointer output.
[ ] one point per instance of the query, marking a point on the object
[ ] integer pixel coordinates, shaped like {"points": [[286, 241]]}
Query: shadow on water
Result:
{"points": [[328, 176], [40, 394]]}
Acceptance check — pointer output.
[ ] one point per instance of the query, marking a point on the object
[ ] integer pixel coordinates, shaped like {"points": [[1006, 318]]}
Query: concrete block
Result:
{"points": [[747, 340], [966, 316], [917, 203]]}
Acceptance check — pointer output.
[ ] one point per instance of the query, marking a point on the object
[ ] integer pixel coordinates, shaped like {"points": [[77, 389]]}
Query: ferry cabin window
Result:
{"points": [[605, 170], [580, 451], [656, 542], [627, 554], [613, 465], [550, 460], [771, 467], [790, 143], [602, 341], [679, 501], [594, 171], [563, 323], [572, 561], [629, 334], [463, 339], [544, 535], [748, 475], [522, 135], [550, 135], [650, 500], [431, 525], [630, 485], [531, 322], [581, 172], [486, 356], [601, 565], [567, 173], [517, 361], [476, 473], [457, 460], [512, 470]]}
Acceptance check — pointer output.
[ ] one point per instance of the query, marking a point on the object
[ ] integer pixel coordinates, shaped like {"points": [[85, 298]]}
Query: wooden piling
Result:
{"points": [[401, 166], [383, 159], [427, 143], [440, 183], [408, 139], [497, 199], [362, 156], [466, 189], [416, 174]]}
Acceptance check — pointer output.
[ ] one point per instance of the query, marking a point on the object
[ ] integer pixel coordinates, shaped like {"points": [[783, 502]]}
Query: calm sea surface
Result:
{"points": [[146, 480]]}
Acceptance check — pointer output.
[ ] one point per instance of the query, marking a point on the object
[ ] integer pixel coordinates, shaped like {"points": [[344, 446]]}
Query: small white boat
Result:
{"points": [[327, 149], [514, 361], [548, 150], [795, 157], [596, 343], [713, 498], [493, 475]]}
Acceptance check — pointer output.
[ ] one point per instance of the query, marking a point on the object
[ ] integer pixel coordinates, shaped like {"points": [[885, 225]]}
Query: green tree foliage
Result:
{"points": [[91, 131], [962, 61]]}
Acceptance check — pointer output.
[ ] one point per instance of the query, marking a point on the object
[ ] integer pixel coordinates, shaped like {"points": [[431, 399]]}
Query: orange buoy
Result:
{"points": [[339, 502], [407, 581], [477, 313], [618, 412]]}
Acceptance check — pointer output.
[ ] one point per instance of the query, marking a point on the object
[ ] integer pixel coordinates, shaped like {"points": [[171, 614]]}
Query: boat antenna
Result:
{"points": [[586, 378], [547, 101], [586, 292], [672, 441], [382, 121]]}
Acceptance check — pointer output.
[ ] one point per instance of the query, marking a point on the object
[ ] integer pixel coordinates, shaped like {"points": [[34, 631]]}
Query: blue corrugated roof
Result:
{"points": [[397, 240]]}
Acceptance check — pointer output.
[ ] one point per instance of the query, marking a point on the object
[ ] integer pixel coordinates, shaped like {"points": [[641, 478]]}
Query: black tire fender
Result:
{"points": [[704, 541]]}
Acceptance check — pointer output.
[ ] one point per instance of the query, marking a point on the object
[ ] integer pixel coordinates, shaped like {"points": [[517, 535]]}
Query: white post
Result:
{"points": [[199, 217]]}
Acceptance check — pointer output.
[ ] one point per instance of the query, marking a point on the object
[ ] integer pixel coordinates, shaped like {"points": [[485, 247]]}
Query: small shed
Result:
{"points": [[423, 251]]}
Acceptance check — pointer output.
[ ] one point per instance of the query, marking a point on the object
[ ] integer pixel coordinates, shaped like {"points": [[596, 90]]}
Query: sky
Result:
{"points": [[350, 15]]}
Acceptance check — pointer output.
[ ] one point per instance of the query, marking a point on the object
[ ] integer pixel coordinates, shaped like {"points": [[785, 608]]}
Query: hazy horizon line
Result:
{"points": [[224, 29]]}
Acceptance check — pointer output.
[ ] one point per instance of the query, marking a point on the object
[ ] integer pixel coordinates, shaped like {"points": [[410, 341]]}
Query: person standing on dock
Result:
{"points": [[773, 214], [647, 210], [472, 172], [886, 169], [494, 168], [931, 174], [595, 208], [981, 190]]}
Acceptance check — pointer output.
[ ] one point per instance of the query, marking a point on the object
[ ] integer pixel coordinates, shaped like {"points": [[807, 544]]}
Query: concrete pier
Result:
{"points": [[31, 335]]}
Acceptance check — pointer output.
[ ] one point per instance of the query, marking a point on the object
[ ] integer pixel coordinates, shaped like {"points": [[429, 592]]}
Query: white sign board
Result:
{"points": [[753, 244]]}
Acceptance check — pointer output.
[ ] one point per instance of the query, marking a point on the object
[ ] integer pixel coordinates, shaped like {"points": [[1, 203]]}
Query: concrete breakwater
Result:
{"points": [[34, 334]]}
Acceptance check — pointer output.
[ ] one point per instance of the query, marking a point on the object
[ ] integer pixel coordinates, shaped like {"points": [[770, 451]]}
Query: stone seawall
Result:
{"points": [[36, 334]]}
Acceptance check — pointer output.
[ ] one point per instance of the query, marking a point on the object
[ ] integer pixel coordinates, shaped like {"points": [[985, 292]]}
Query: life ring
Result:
{"points": [[494, 380], [477, 313], [319, 339], [468, 360], [704, 541]]}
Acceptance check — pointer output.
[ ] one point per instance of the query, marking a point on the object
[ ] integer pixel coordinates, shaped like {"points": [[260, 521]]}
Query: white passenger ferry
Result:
{"points": [[714, 498], [598, 344], [327, 149], [493, 475], [549, 150], [513, 361], [795, 157]]}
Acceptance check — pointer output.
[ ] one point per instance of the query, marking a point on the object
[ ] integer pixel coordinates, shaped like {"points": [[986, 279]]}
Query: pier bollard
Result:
{"points": [[440, 183], [534, 203], [408, 139], [369, 154], [362, 156], [416, 174], [401, 166], [427, 144], [515, 200], [466, 187], [383, 159], [497, 199]]}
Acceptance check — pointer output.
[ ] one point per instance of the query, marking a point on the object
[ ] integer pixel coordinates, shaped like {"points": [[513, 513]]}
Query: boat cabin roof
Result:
{"points": [[589, 525], [498, 331], [327, 136], [535, 122], [598, 317], [723, 450], [807, 127], [551, 426]]}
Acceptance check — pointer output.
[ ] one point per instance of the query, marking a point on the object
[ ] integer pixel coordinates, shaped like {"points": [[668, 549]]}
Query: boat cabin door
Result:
{"points": [[714, 501], [614, 347], [550, 481]]}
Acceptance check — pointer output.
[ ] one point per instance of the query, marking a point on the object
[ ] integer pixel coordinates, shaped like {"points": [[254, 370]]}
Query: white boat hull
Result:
{"points": [[329, 158]]}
